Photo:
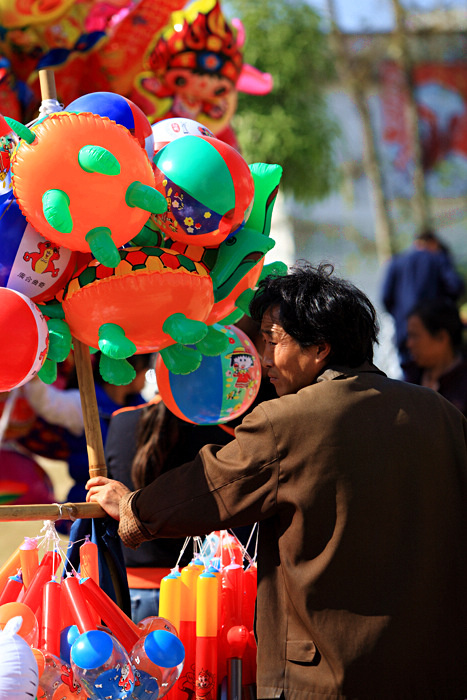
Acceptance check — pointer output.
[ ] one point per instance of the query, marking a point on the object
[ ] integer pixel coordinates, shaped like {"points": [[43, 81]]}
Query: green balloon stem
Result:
{"points": [[215, 343], [96, 159], [48, 371], [59, 340], [145, 197], [21, 130], [114, 343], [184, 330], [56, 209], [117, 372], [181, 360], [102, 246]]}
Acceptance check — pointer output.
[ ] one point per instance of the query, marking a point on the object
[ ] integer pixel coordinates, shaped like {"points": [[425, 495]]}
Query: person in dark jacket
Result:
{"points": [[423, 272], [435, 341], [359, 485]]}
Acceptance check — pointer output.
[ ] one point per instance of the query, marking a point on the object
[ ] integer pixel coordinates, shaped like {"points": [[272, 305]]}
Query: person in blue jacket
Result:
{"points": [[423, 272]]}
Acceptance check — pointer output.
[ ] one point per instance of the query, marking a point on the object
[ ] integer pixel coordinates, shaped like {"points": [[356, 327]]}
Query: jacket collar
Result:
{"points": [[340, 372]]}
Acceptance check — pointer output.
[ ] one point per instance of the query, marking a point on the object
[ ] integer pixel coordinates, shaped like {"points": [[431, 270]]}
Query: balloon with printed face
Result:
{"points": [[221, 389], [29, 263], [23, 324]]}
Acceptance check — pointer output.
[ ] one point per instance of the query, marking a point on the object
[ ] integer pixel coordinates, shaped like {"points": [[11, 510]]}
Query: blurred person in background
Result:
{"points": [[436, 345], [423, 272]]}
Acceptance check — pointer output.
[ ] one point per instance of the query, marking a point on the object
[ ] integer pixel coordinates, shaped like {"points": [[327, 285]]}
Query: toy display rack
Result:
{"points": [[92, 429]]}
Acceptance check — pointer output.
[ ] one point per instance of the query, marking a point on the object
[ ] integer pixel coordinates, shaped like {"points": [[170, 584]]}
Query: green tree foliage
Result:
{"points": [[290, 126]]}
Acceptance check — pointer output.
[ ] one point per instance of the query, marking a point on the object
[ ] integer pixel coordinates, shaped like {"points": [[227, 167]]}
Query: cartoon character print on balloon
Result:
{"points": [[204, 685], [43, 259], [195, 67], [29, 263], [8, 142], [221, 389], [241, 362]]}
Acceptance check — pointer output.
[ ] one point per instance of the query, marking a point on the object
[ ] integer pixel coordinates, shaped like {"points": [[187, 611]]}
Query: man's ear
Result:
{"points": [[323, 350]]}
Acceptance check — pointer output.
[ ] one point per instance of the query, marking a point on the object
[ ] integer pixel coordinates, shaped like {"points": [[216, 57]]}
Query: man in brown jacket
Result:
{"points": [[359, 483]]}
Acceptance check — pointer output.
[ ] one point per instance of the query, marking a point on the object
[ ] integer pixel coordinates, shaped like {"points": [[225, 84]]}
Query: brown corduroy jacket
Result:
{"points": [[359, 483]]}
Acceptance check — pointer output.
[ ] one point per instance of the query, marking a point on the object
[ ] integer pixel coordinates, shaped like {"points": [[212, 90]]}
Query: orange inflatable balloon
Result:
{"points": [[82, 180], [29, 630], [147, 286]]}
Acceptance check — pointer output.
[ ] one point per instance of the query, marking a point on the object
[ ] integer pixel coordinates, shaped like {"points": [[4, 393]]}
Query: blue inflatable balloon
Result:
{"points": [[102, 666], [221, 389], [157, 659], [120, 110], [68, 636]]}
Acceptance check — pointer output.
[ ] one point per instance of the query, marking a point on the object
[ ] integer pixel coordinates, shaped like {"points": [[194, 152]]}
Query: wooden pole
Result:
{"points": [[92, 426], [47, 84], [51, 511]]}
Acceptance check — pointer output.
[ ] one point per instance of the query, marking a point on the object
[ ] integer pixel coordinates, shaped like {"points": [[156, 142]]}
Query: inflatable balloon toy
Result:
{"points": [[96, 186], [29, 263], [234, 283], [203, 209], [157, 660], [195, 68], [122, 111], [175, 292], [221, 389], [102, 666], [22, 480], [164, 132], [179, 288], [56, 680], [168, 130], [22, 322], [20, 676], [29, 628]]}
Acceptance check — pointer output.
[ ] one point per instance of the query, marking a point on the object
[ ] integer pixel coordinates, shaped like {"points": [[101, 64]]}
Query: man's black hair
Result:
{"points": [[315, 307]]}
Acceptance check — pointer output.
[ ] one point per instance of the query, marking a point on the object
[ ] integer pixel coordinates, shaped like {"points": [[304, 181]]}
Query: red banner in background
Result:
{"points": [[441, 96]]}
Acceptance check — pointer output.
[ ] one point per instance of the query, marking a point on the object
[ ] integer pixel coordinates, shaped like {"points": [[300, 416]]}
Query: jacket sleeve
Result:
{"points": [[57, 406], [222, 487], [451, 282], [388, 287]]}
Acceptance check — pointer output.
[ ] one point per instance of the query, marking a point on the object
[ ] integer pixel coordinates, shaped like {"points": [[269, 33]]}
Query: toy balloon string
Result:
{"points": [[182, 552], [254, 531], [51, 541]]}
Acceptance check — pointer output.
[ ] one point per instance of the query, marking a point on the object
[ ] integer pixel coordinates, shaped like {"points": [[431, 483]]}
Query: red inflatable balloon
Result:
{"points": [[25, 339], [22, 480]]}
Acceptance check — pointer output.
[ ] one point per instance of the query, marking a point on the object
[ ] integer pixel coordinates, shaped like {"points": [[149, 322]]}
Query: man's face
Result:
{"points": [[289, 366]]}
